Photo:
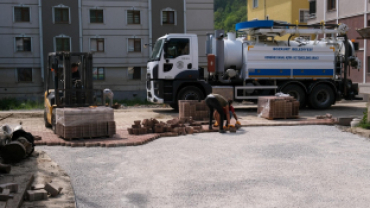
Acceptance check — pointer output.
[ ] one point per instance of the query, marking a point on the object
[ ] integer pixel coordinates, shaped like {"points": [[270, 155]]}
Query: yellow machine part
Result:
{"points": [[48, 107]]}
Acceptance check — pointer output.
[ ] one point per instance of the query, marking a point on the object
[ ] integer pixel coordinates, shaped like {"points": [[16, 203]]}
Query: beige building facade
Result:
{"points": [[354, 13]]}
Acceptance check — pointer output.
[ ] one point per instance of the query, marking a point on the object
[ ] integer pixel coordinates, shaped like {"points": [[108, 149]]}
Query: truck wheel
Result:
{"points": [[297, 92], [47, 125], [321, 97], [190, 93], [175, 106]]}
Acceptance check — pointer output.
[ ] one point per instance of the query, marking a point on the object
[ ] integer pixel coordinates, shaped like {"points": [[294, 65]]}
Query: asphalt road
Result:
{"points": [[306, 166]]}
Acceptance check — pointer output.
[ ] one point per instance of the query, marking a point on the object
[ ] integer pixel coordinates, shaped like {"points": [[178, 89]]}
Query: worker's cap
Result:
{"points": [[75, 64]]}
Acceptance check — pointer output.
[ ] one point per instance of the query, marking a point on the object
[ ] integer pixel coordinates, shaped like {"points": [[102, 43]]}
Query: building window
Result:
{"points": [[168, 17], [96, 16], [61, 15], [21, 14], [303, 16], [134, 73], [97, 44], [133, 17], [62, 44], [24, 74], [313, 8], [255, 3], [99, 73], [23, 43], [331, 4], [134, 45]]}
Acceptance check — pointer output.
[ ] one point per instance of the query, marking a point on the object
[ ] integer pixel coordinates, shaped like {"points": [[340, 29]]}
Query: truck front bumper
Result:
{"points": [[154, 91]]}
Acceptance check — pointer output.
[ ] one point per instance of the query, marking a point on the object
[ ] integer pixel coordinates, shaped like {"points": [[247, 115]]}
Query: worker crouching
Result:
{"points": [[216, 104]]}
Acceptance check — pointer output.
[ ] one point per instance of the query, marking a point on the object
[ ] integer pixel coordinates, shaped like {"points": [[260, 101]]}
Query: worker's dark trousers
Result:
{"points": [[213, 104]]}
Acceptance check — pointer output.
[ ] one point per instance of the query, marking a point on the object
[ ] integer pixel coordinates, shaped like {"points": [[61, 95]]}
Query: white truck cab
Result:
{"points": [[174, 57]]}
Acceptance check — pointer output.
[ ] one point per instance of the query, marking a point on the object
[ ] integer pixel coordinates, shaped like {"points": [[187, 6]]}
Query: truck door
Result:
{"points": [[177, 57]]}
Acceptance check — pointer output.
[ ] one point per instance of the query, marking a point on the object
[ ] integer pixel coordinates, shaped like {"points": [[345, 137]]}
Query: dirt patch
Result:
{"points": [[43, 170]]}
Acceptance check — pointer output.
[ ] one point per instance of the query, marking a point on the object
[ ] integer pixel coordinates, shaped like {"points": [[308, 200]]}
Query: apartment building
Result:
{"points": [[21, 73], [291, 11], [114, 30], [353, 13]]}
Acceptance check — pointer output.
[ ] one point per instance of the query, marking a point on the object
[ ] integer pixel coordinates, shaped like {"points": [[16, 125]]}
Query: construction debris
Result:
{"points": [[274, 107], [326, 116], [5, 168], [38, 186], [173, 127], [15, 145], [5, 195], [36, 195], [13, 187], [53, 189]]}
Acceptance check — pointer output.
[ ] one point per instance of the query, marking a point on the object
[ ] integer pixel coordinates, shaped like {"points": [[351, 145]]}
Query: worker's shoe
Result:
{"points": [[221, 131]]}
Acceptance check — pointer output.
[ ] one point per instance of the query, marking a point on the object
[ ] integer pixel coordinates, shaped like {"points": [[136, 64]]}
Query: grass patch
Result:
{"points": [[14, 104], [133, 102], [364, 124]]}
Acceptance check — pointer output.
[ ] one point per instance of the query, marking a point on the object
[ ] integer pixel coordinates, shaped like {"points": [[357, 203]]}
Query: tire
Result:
{"points": [[47, 125], [297, 92], [190, 93], [175, 106], [321, 97]]}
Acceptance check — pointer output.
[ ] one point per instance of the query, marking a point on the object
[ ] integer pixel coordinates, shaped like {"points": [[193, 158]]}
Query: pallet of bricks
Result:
{"points": [[87, 122], [174, 127], [196, 110], [275, 107]]}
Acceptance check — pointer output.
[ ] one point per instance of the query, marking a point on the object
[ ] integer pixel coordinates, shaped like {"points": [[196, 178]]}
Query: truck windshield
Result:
{"points": [[157, 50]]}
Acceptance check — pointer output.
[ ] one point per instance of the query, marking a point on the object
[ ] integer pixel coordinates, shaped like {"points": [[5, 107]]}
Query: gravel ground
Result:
{"points": [[307, 166]]}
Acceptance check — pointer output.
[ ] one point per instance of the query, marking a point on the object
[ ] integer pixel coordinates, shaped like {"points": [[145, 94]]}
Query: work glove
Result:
{"points": [[238, 123]]}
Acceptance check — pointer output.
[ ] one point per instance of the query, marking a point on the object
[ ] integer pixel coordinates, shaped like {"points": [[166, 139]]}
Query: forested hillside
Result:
{"points": [[229, 12]]}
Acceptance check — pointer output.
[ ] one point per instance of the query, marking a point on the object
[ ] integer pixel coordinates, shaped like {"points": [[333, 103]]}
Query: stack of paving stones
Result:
{"points": [[196, 110], [85, 122], [275, 107], [171, 128]]}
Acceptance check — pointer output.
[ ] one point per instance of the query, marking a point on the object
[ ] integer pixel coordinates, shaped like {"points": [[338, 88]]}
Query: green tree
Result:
{"points": [[229, 12]]}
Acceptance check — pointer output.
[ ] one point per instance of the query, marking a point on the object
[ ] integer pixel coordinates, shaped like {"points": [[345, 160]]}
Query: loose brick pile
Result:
{"points": [[198, 111], [174, 127], [85, 122], [278, 107]]}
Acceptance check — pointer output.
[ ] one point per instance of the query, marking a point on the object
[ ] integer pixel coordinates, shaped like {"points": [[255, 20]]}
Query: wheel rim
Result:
{"points": [[322, 97], [295, 94], [191, 96]]}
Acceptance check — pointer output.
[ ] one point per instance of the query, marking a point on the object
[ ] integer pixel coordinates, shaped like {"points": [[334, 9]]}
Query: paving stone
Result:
{"points": [[37, 195], [53, 189]]}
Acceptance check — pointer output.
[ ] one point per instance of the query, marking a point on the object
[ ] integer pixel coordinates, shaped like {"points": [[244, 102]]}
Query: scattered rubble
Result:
{"points": [[15, 145], [172, 127]]}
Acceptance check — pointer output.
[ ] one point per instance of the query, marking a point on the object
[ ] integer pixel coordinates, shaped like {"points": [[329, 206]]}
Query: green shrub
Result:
{"points": [[364, 124], [14, 104]]}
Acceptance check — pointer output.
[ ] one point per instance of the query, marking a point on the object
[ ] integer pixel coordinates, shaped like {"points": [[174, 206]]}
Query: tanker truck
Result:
{"points": [[312, 65]]}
